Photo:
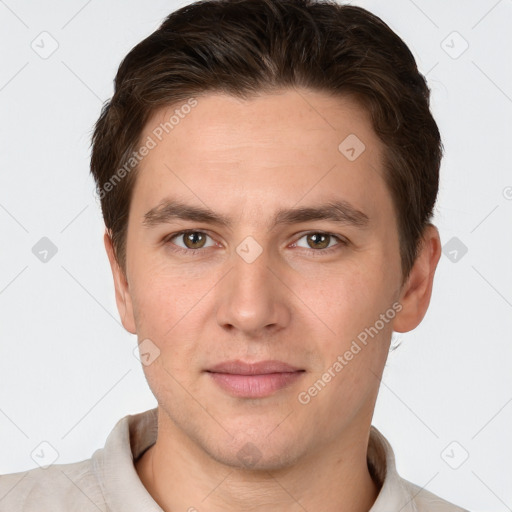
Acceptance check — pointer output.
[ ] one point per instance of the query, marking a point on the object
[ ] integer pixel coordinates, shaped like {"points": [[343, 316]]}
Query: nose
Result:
{"points": [[253, 298]]}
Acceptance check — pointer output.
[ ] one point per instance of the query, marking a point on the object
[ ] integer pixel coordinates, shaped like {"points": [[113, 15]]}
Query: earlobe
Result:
{"points": [[416, 292], [123, 298]]}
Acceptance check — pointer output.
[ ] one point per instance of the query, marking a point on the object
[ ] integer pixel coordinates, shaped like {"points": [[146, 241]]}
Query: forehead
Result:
{"points": [[268, 148], [288, 118]]}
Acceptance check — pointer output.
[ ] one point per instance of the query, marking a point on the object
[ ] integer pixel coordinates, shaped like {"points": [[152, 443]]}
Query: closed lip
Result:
{"points": [[237, 367]]}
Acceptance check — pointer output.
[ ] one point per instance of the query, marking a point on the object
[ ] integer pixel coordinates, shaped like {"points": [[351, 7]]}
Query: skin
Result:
{"points": [[246, 159]]}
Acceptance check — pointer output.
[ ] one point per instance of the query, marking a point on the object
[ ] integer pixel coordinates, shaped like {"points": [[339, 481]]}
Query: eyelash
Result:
{"points": [[315, 252]]}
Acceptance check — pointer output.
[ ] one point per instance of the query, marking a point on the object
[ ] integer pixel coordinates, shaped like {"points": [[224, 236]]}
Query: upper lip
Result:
{"points": [[236, 367]]}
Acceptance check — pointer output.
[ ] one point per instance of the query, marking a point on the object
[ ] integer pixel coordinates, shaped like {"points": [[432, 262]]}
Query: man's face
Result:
{"points": [[259, 290]]}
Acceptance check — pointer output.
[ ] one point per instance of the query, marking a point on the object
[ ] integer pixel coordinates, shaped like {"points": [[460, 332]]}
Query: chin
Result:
{"points": [[256, 453]]}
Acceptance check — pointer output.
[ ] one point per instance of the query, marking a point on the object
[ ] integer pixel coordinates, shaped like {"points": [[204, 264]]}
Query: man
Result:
{"points": [[267, 171]]}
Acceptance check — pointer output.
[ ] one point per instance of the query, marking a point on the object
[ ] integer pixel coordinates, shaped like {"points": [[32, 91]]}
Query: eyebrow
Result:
{"points": [[338, 211]]}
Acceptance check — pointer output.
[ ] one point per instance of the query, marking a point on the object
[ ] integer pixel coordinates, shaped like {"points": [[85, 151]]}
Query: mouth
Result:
{"points": [[254, 380]]}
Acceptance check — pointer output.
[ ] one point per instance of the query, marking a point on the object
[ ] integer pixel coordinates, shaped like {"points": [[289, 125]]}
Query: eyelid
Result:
{"points": [[342, 241], [167, 239]]}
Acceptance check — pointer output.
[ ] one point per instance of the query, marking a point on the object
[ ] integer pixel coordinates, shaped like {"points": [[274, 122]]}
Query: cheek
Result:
{"points": [[351, 303], [169, 309], [166, 311], [159, 301], [350, 298]]}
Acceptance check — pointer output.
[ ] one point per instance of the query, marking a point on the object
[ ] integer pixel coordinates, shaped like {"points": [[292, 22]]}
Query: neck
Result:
{"points": [[181, 476]]}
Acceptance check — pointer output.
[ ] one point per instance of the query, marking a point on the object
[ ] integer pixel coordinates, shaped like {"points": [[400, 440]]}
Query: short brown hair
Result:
{"points": [[245, 47]]}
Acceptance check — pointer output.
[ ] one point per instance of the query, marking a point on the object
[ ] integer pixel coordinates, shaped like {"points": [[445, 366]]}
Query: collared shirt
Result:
{"points": [[108, 481]]}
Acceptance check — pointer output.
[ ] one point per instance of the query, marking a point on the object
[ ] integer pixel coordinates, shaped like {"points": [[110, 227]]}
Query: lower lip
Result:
{"points": [[254, 386]]}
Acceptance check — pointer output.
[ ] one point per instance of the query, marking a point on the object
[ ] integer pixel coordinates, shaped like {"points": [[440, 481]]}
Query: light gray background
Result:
{"points": [[67, 370]]}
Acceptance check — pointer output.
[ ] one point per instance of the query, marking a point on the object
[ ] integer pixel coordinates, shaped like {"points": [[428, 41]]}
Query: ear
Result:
{"points": [[123, 298], [417, 290]]}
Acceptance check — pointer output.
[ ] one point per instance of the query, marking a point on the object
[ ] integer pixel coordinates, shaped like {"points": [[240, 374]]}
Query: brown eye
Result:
{"points": [[190, 241], [318, 240], [194, 239]]}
